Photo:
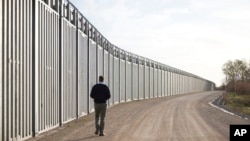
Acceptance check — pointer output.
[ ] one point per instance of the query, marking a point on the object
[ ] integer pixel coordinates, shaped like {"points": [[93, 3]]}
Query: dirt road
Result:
{"points": [[175, 118]]}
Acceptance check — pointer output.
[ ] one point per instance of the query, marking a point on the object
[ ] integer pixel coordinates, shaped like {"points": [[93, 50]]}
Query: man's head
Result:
{"points": [[101, 78]]}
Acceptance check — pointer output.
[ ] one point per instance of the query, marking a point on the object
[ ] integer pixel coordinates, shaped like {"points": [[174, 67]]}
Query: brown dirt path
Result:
{"points": [[174, 118]]}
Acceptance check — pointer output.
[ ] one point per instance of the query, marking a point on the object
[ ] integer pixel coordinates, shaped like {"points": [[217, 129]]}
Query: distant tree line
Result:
{"points": [[237, 76]]}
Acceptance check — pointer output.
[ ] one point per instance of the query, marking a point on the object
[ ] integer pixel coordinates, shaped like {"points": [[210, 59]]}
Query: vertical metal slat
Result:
{"points": [[1, 70]]}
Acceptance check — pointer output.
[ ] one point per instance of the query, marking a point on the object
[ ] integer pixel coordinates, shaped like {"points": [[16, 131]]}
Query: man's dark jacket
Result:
{"points": [[100, 93]]}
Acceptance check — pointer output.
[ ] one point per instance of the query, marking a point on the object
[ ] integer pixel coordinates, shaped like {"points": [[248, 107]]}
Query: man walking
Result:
{"points": [[100, 93]]}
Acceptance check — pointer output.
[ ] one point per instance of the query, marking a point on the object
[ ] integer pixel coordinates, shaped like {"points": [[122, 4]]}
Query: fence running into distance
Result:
{"points": [[51, 56]]}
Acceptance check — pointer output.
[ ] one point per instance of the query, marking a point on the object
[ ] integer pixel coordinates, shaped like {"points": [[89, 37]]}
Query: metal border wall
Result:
{"points": [[82, 54], [68, 62], [16, 69], [51, 56], [48, 67]]}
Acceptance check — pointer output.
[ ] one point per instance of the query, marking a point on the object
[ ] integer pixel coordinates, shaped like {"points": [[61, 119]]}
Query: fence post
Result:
{"points": [[1, 53], [76, 20], [35, 68]]}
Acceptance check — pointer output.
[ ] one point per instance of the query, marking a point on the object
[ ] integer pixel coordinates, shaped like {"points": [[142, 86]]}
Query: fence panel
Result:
{"points": [[16, 69], [141, 82], [92, 71], [48, 67], [106, 67], [151, 82], [116, 81], [100, 61], [147, 85], [69, 70], [182, 84], [128, 81], [163, 82], [159, 89], [122, 81], [166, 82], [185, 84], [135, 81], [111, 78], [82, 74], [177, 83], [155, 82], [170, 82]]}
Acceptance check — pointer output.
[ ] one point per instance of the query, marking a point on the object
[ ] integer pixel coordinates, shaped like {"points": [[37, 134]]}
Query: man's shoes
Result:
{"points": [[102, 134], [96, 132]]}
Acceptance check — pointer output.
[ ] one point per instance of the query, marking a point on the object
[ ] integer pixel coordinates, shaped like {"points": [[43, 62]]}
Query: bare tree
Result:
{"points": [[237, 69], [229, 71]]}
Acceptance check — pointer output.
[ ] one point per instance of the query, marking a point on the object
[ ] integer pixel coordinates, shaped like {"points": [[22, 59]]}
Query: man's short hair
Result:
{"points": [[101, 78]]}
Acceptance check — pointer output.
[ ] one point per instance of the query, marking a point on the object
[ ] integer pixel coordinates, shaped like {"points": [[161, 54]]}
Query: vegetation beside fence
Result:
{"points": [[237, 86], [239, 103]]}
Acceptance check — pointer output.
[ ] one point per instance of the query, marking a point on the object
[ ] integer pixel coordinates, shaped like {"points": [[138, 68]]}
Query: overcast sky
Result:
{"points": [[197, 36]]}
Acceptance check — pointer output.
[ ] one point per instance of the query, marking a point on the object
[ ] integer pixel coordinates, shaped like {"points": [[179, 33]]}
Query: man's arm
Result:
{"points": [[108, 93], [92, 94]]}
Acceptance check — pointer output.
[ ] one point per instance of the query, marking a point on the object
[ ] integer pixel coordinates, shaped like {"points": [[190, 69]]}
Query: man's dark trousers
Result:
{"points": [[100, 112]]}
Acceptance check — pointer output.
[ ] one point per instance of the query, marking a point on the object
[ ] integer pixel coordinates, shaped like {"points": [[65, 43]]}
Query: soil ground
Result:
{"points": [[187, 117]]}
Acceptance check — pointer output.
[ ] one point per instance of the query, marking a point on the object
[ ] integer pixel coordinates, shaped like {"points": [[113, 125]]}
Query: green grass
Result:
{"points": [[238, 102]]}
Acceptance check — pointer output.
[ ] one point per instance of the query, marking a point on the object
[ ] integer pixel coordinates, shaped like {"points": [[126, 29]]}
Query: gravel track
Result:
{"points": [[174, 118]]}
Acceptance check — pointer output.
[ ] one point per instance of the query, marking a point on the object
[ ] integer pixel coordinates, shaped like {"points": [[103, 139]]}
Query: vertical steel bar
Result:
{"points": [[39, 39], [88, 90], [166, 81], [150, 80], [119, 75], [2, 69], [48, 99], [49, 67], [10, 80], [18, 69], [76, 81], [57, 69], [170, 81], [60, 71], [138, 78], [25, 98], [13, 100], [159, 81], [43, 45], [37, 68], [52, 92], [132, 77], [54, 68], [3, 74], [27, 70], [163, 81], [8, 59], [21, 70], [5, 66], [12, 55], [45, 89], [30, 66], [144, 76], [43, 53]]}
